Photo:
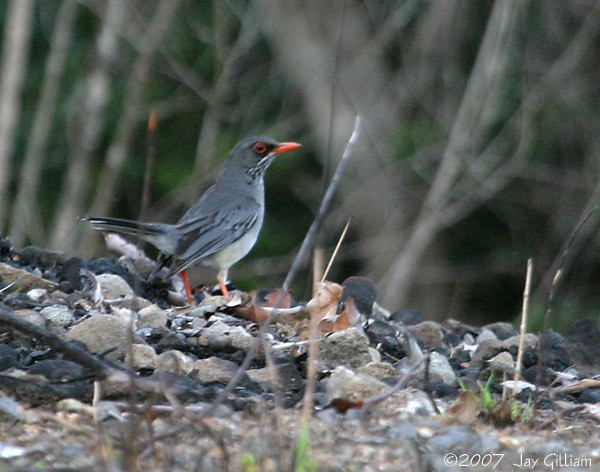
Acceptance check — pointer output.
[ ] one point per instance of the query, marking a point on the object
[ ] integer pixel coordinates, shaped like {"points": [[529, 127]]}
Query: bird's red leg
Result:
{"points": [[223, 288], [186, 287]]}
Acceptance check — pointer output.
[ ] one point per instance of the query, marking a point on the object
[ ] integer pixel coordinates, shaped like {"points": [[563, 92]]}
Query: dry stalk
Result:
{"points": [[522, 329], [337, 248]]}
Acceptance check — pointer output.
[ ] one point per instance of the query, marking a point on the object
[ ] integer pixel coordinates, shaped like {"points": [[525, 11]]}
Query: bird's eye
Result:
{"points": [[260, 148]]}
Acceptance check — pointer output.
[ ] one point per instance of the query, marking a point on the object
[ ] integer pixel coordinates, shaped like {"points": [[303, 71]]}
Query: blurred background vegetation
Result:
{"points": [[480, 147]]}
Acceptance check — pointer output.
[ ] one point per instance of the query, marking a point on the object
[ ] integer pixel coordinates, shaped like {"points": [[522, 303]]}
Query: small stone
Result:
{"points": [[36, 294], [485, 335], [100, 333], [349, 347], [32, 316], [429, 334], [501, 329], [174, 362], [214, 370], [407, 317], [485, 351], [153, 317], [57, 315], [142, 356], [378, 370], [72, 405], [344, 384], [439, 371], [113, 286], [529, 340], [23, 279], [204, 308], [503, 362], [222, 336]]}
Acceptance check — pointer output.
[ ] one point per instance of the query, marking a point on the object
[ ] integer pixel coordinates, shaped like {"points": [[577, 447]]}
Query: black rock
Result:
{"points": [[9, 357], [19, 301], [29, 256], [582, 344], [452, 339], [591, 395], [407, 317], [57, 370], [384, 337], [5, 247], [170, 341]]}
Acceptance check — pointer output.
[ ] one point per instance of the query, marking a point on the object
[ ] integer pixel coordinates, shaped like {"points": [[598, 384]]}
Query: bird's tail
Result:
{"points": [[118, 225], [160, 235]]}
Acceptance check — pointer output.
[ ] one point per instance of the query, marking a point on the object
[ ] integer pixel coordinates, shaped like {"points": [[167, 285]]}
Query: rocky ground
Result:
{"points": [[102, 371]]}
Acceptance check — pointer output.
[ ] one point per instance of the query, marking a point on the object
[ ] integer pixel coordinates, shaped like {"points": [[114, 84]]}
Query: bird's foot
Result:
{"points": [[186, 287], [223, 287]]}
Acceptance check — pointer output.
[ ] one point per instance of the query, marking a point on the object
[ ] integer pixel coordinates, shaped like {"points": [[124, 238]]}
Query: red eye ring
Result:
{"points": [[260, 148]]}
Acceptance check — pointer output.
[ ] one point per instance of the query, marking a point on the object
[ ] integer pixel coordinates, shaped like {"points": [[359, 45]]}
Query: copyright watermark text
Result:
{"points": [[553, 461]]}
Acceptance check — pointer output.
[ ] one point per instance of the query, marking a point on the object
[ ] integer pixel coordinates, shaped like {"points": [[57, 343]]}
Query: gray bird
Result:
{"points": [[221, 227]]}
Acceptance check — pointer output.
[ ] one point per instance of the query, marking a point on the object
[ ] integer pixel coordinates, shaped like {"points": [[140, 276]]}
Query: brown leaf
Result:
{"points": [[254, 311], [342, 405], [325, 302], [251, 313], [466, 408], [348, 318]]}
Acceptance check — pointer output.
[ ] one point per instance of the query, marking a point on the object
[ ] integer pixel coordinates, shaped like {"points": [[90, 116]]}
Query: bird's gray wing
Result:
{"points": [[206, 233]]}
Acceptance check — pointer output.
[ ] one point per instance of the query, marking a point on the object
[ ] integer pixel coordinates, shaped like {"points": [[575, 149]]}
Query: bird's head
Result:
{"points": [[254, 154]]}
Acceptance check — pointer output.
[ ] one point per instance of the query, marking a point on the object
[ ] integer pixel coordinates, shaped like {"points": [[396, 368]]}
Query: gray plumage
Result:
{"points": [[221, 227]]}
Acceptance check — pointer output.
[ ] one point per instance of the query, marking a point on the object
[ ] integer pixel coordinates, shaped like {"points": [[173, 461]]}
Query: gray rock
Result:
{"points": [[142, 356], [32, 316], [23, 279], [36, 294], [174, 362], [152, 317], [113, 286], [344, 384], [529, 340], [349, 347], [501, 329], [222, 336], [485, 335], [503, 362], [58, 315], [439, 370], [214, 369], [429, 334], [485, 351], [378, 370], [100, 333]]}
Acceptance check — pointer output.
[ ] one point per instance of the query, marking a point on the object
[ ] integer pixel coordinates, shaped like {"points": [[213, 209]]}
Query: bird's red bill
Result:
{"points": [[286, 147]]}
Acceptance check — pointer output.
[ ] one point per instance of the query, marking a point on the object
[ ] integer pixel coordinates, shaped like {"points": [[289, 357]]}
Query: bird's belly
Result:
{"points": [[234, 252]]}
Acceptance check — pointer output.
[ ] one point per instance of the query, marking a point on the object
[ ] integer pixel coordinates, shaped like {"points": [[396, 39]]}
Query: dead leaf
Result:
{"points": [[348, 318], [342, 405], [466, 408], [255, 311], [325, 302]]}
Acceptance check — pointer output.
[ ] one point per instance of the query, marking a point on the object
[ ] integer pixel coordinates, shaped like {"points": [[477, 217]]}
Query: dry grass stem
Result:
{"points": [[524, 316]]}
